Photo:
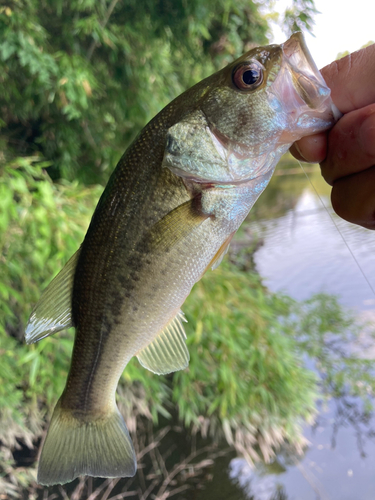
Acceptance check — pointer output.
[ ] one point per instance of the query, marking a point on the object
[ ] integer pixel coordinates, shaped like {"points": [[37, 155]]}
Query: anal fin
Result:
{"points": [[167, 352]]}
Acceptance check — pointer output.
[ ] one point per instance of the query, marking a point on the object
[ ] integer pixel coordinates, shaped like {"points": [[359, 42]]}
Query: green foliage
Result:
{"points": [[80, 79], [299, 17], [39, 229], [337, 345]]}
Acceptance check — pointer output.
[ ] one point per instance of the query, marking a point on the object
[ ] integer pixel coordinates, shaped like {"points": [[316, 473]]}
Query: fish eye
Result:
{"points": [[248, 76]]}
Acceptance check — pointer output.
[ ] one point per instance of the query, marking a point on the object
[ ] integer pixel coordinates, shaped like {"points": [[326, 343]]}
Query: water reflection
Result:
{"points": [[303, 254], [337, 465], [259, 483]]}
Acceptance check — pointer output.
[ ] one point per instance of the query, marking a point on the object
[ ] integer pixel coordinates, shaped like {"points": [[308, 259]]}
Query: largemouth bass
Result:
{"points": [[168, 213]]}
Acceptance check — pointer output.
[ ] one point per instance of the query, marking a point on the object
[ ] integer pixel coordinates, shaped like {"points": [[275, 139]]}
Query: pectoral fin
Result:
{"points": [[216, 261], [168, 352], [176, 225], [53, 312]]}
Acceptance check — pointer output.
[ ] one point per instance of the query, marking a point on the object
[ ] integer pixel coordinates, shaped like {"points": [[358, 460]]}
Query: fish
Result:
{"points": [[167, 215]]}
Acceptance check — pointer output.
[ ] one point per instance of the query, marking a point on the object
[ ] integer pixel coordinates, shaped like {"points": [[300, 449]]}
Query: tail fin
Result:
{"points": [[73, 447]]}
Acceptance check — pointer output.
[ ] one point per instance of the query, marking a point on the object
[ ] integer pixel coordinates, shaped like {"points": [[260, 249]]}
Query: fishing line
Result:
{"points": [[338, 230]]}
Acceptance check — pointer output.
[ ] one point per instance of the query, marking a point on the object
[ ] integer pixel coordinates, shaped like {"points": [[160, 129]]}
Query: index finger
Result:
{"points": [[351, 79]]}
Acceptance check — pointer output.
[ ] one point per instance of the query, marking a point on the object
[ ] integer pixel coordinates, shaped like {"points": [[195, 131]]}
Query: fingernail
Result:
{"points": [[299, 151]]}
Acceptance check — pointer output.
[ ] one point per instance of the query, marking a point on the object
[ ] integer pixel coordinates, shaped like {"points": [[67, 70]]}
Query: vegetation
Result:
{"points": [[79, 80]]}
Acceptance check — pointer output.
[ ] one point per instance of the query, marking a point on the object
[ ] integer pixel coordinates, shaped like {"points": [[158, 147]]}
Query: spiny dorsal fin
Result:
{"points": [[53, 312], [168, 352]]}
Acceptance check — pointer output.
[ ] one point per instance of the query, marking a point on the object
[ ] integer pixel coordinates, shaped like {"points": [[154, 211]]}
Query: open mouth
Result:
{"points": [[300, 93], [306, 77]]}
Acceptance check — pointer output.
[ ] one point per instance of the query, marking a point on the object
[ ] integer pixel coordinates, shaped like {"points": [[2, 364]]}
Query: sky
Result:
{"points": [[341, 25]]}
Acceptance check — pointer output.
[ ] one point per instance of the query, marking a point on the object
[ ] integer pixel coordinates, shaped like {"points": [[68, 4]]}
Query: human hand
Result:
{"points": [[347, 153]]}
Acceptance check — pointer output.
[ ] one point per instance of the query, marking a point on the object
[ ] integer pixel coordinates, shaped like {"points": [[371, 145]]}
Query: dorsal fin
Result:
{"points": [[53, 312], [167, 352]]}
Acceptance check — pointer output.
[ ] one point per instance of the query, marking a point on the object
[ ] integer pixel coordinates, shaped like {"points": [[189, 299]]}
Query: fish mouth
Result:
{"points": [[306, 77], [301, 92]]}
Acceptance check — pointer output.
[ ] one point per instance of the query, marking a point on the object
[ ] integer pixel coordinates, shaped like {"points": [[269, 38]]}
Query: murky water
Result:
{"points": [[302, 253]]}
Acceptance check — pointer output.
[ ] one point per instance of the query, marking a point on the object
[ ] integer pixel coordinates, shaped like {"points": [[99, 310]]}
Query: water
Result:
{"points": [[301, 254]]}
